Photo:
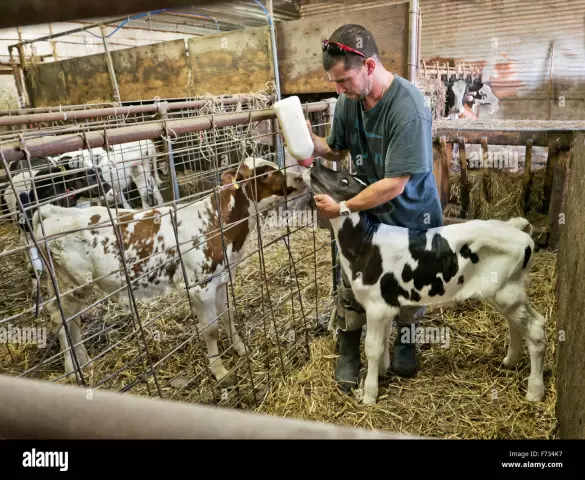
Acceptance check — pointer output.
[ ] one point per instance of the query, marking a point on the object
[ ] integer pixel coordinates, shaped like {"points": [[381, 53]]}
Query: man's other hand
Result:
{"points": [[326, 206]]}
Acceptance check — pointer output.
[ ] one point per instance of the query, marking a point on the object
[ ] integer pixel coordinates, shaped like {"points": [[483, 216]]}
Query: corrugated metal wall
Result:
{"points": [[513, 40]]}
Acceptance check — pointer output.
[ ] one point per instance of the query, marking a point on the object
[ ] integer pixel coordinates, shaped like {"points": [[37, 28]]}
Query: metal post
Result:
{"points": [[27, 85], [17, 80], [53, 43], [412, 28], [279, 152], [110, 66]]}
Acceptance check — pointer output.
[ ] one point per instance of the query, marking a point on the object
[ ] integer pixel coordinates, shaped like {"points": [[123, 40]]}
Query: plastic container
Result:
{"points": [[294, 128]]}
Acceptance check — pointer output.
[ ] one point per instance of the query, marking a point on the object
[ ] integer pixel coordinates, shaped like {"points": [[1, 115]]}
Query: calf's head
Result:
{"points": [[339, 185], [265, 184]]}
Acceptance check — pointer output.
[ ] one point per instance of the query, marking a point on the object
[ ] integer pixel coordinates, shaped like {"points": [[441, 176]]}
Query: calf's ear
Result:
{"points": [[229, 176]]}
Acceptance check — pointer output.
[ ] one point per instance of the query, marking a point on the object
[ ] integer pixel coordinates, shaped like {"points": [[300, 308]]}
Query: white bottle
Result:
{"points": [[294, 128]]}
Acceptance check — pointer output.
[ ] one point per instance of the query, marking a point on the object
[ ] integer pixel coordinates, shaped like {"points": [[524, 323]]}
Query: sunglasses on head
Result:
{"points": [[336, 48]]}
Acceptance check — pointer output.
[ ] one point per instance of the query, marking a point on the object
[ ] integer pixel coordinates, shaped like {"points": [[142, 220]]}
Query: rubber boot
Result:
{"points": [[347, 372], [404, 360]]}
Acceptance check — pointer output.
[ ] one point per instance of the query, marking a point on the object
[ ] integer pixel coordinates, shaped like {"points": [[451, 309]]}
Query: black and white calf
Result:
{"points": [[123, 164], [389, 267]]}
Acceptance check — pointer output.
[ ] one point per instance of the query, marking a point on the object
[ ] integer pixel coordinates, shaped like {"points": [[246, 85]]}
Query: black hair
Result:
{"points": [[356, 37]]}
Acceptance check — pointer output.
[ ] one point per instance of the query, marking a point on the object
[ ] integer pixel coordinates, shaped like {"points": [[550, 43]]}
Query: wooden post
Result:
{"points": [[553, 153], [558, 196], [527, 173], [464, 180], [570, 305], [17, 80], [486, 174], [441, 161]]}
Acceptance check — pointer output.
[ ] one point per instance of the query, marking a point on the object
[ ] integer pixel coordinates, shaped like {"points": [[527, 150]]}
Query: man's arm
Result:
{"points": [[322, 148], [376, 194]]}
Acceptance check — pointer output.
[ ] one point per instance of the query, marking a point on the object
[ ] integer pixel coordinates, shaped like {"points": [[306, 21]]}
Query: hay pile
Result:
{"points": [[460, 392], [434, 89], [507, 195]]}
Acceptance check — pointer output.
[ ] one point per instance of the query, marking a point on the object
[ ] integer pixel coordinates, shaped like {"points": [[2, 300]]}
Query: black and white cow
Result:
{"points": [[467, 91], [390, 266]]}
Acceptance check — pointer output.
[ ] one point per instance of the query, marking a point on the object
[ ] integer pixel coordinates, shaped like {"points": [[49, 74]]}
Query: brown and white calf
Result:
{"points": [[150, 251]]}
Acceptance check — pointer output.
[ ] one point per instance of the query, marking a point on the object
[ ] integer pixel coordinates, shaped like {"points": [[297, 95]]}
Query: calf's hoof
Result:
{"points": [[240, 349], [509, 362], [369, 398], [226, 381], [535, 392]]}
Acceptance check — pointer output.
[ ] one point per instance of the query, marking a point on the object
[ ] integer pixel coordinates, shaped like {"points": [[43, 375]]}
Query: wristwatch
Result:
{"points": [[343, 210]]}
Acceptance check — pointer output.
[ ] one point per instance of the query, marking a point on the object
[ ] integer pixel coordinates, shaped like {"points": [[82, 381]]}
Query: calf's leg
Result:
{"points": [[377, 325], [71, 306], [524, 322], [221, 305], [206, 312]]}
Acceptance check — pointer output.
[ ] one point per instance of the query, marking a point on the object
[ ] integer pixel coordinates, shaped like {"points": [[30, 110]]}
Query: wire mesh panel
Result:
{"points": [[202, 281]]}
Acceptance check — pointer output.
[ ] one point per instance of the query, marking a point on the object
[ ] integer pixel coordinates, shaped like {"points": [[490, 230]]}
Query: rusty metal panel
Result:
{"points": [[239, 61], [152, 70], [46, 84], [87, 79], [513, 41], [70, 82], [299, 44]]}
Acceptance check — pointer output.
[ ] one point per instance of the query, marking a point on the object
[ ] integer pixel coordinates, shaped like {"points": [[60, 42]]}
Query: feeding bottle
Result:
{"points": [[295, 130]]}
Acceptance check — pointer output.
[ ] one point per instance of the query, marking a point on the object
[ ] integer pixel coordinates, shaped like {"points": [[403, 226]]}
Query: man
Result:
{"points": [[382, 120]]}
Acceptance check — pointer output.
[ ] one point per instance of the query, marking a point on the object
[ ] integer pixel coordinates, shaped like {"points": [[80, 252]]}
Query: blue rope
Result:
{"points": [[151, 13], [265, 11]]}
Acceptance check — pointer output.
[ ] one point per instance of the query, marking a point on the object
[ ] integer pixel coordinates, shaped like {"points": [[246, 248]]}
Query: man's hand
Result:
{"points": [[326, 206]]}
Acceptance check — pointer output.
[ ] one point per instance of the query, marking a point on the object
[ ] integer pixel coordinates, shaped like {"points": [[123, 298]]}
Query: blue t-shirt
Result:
{"points": [[392, 139]]}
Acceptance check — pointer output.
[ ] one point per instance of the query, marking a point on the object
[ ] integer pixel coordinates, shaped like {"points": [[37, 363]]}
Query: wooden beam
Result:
{"points": [[570, 304], [540, 137], [35, 12]]}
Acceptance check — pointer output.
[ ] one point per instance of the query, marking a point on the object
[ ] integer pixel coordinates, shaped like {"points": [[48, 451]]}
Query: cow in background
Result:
{"points": [[464, 93]]}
